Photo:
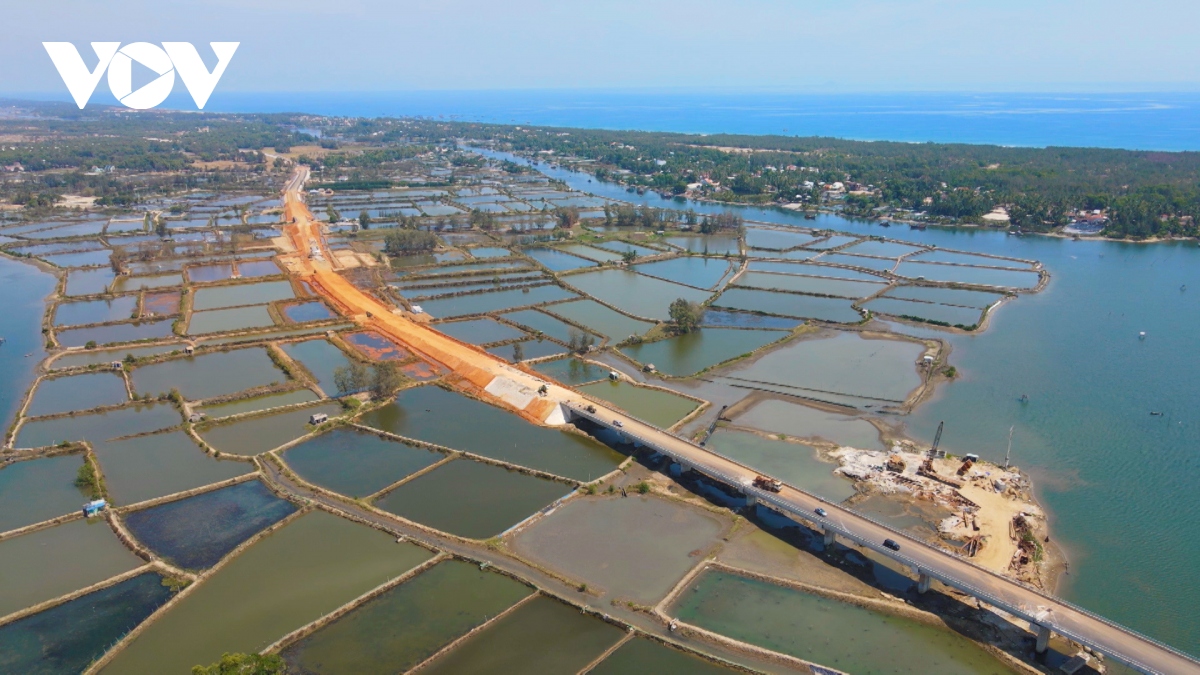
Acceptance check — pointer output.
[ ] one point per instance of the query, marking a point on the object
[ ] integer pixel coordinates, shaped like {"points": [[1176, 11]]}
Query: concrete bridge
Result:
{"points": [[1045, 613]]}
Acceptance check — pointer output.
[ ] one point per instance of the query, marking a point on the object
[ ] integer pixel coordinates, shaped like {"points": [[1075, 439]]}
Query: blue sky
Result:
{"points": [[798, 45]]}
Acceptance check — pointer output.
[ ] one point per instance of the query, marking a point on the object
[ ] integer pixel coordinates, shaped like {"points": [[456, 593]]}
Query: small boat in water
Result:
{"points": [[884, 223], [1142, 335], [810, 216], [916, 226], [1155, 413]]}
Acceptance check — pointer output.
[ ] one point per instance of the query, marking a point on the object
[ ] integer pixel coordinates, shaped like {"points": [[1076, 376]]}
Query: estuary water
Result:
{"points": [[1120, 484]]}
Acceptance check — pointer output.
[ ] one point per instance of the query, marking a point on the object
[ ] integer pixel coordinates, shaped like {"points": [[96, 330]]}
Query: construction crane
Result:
{"points": [[937, 438]]}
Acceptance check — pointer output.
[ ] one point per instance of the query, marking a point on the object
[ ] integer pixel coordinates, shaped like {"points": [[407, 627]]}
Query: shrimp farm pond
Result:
{"points": [[208, 451]]}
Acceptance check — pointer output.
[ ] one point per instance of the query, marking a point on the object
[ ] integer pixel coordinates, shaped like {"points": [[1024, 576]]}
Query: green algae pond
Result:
{"points": [[68, 637], [95, 311], [147, 467], [832, 633], [793, 463], [660, 408], [529, 349], [209, 375], [642, 655], [495, 301], [946, 296], [256, 435], [77, 392], [955, 316], [322, 359], [295, 575], [694, 271], [599, 319], [690, 353], [541, 636], [634, 293], [571, 371], [635, 547], [89, 358], [356, 463], [237, 318], [196, 532], [407, 624], [35, 490], [433, 414], [48, 563], [127, 421], [259, 403], [115, 333], [471, 499]]}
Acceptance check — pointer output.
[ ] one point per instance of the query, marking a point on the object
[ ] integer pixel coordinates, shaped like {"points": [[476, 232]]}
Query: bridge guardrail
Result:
{"points": [[967, 587]]}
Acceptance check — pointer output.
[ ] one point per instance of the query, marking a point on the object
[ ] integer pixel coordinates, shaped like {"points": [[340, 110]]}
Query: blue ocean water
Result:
{"points": [[1147, 121]]}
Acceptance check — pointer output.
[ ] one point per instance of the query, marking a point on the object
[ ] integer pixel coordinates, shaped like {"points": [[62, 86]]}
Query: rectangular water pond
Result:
{"points": [[658, 407], [35, 490], [789, 304], [293, 576], [209, 375], [793, 463], [544, 323], [134, 419], [528, 349], [836, 634], [48, 563], [68, 637], [435, 415], [945, 296], [256, 435], [557, 261], [479, 331], [89, 282], [161, 304], [218, 297], [115, 333], [634, 293], [642, 655], [982, 276], [471, 499], [322, 359], [196, 532], [687, 354], [542, 636], [221, 320], [408, 624], [95, 311], [716, 244], [147, 467], [495, 301], [706, 273], [259, 403], [77, 392], [356, 463], [803, 284], [963, 317], [801, 421], [89, 358], [127, 284], [375, 347], [571, 370], [600, 319]]}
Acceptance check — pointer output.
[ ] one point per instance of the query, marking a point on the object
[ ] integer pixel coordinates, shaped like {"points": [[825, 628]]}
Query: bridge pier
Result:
{"points": [[830, 537], [923, 581], [675, 470], [1043, 639]]}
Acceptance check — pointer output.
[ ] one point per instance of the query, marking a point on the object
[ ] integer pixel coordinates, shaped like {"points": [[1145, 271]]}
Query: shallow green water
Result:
{"points": [[591, 252], [153, 466], [218, 297], [966, 259], [789, 304], [821, 286], [471, 499], [571, 370], [546, 324], [635, 547], [209, 375], [968, 275], [700, 272], [495, 301], [257, 435], [127, 421], [828, 632], [115, 333], [948, 296], [759, 237], [660, 408], [295, 575], [479, 331], [35, 490], [859, 261], [48, 563], [557, 261], [530, 349], [321, 358], [77, 392], [801, 421], [432, 414], [542, 636], [259, 403], [221, 320], [110, 355], [955, 316], [641, 655], [793, 463], [355, 463], [811, 269], [94, 311], [690, 353], [600, 319], [196, 532], [66, 638], [634, 293], [844, 364], [715, 244], [409, 623]]}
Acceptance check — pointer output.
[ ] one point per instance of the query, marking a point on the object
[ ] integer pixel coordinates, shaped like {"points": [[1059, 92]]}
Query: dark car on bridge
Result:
{"points": [[889, 543]]}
